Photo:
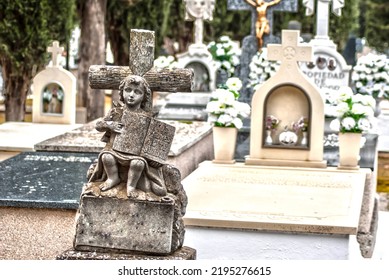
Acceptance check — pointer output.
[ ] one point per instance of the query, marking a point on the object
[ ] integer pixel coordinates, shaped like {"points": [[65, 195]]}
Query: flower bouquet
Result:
{"points": [[224, 109], [355, 113], [371, 76], [226, 53], [271, 123], [162, 62], [300, 125], [261, 69]]}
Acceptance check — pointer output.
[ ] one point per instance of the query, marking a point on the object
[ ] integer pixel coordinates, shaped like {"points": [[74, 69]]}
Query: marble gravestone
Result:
{"points": [[329, 69], [249, 49], [288, 96], [54, 92], [134, 202], [183, 106]]}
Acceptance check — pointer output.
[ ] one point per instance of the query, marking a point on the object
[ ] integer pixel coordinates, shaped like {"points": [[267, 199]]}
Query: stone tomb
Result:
{"points": [[288, 96], [265, 212], [54, 92]]}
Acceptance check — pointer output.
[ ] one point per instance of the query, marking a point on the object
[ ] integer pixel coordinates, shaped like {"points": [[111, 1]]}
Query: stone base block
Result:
{"points": [[124, 225], [184, 253]]}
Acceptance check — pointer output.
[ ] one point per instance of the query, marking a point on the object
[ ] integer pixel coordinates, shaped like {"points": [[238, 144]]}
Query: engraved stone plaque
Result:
{"points": [[127, 225]]}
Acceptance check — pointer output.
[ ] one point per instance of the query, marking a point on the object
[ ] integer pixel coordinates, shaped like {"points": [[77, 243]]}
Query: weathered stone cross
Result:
{"points": [[290, 51], [55, 51], [283, 6], [141, 63]]}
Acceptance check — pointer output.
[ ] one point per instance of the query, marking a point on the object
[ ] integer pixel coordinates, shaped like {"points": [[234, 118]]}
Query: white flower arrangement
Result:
{"points": [[165, 62], [224, 109], [355, 113], [226, 53], [371, 76], [261, 69]]}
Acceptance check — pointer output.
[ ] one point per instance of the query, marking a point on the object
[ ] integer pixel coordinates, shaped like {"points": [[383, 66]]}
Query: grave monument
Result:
{"points": [[54, 92], [328, 69], [133, 203], [249, 49], [283, 202], [288, 100], [181, 106]]}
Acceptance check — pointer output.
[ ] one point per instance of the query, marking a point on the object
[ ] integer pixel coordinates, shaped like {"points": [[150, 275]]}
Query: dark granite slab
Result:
{"points": [[44, 179]]}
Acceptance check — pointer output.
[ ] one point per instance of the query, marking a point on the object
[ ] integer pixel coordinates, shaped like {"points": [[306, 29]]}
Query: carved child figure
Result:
{"points": [[116, 166]]}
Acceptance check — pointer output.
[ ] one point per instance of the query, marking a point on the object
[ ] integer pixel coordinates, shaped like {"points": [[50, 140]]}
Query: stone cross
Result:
{"points": [[141, 62], [290, 51], [199, 10], [322, 18], [55, 51], [283, 6]]}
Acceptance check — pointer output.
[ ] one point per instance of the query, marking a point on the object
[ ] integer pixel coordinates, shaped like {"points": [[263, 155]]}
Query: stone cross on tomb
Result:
{"points": [[322, 18], [55, 51], [282, 6], [143, 139], [141, 62], [199, 11], [290, 51]]}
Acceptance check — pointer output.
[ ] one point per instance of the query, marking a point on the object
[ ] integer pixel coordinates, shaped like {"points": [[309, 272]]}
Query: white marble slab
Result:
{"points": [[304, 200], [22, 136]]}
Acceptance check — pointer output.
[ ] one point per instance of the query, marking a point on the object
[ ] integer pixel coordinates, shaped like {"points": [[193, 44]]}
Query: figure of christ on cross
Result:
{"points": [[262, 24]]}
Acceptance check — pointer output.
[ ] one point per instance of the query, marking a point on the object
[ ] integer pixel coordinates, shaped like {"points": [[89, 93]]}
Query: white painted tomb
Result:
{"points": [[54, 92], [283, 202], [257, 212]]}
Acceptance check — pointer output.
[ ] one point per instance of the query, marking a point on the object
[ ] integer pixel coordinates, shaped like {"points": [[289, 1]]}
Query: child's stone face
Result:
{"points": [[133, 95]]}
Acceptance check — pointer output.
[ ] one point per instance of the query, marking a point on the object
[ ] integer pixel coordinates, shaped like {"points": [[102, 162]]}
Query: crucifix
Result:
{"points": [[262, 10], [141, 62], [55, 50], [322, 17]]}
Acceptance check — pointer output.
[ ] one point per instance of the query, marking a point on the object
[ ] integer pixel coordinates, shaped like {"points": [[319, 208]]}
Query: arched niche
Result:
{"points": [[288, 103], [201, 80], [52, 98]]}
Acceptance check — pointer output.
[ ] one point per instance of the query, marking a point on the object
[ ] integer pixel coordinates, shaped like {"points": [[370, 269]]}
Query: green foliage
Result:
{"points": [[377, 24], [28, 27]]}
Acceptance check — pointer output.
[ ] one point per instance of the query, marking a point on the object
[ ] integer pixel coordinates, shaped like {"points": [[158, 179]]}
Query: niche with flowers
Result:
{"points": [[286, 118]]}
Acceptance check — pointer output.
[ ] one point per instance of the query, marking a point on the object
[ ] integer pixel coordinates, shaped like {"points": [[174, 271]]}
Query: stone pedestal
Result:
{"points": [[184, 253], [125, 225]]}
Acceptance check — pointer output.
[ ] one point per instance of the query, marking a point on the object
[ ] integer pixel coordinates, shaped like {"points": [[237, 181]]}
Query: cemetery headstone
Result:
{"points": [[289, 98], [249, 49], [180, 106], [329, 69], [54, 92], [133, 201]]}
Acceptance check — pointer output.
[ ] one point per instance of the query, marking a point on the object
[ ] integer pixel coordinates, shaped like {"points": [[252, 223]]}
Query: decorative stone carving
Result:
{"points": [[134, 201]]}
